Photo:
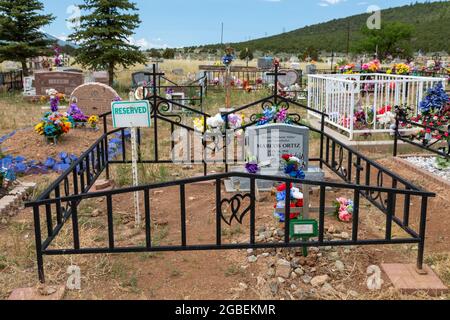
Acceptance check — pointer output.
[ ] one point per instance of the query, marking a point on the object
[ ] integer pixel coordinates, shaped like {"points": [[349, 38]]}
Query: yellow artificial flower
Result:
{"points": [[199, 124], [39, 128]]}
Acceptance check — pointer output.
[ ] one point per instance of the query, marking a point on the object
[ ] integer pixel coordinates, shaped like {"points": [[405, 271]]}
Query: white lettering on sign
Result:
{"points": [[303, 229], [131, 114]]}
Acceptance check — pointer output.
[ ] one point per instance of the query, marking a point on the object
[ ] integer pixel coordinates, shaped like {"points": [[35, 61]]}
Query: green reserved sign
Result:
{"points": [[131, 114], [304, 229]]}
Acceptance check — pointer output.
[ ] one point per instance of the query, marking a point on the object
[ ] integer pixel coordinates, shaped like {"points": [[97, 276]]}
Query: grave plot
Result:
{"points": [[349, 200]]}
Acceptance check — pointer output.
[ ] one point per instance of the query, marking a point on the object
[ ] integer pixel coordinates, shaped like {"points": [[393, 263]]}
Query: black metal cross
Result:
{"points": [[276, 74]]}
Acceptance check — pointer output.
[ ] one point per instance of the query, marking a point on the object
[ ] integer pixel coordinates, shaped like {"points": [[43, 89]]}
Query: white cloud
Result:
{"points": [[146, 44], [326, 3]]}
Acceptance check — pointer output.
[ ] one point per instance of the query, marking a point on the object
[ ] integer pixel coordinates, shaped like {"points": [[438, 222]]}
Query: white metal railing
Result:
{"points": [[342, 95]]}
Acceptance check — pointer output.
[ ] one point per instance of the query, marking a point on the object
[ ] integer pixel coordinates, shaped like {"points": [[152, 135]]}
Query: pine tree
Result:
{"points": [[104, 33], [20, 35]]}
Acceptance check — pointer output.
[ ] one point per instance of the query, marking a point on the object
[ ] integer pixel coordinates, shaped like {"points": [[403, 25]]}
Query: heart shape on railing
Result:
{"points": [[235, 204]]}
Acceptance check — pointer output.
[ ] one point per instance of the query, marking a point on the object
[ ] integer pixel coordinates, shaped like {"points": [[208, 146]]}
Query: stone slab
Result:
{"points": [[94, 98], [405, 278], [35, 294], [62, 81]]}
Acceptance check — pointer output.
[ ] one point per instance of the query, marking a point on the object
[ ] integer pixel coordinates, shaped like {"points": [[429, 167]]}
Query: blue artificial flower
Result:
{"points": [[50, 162], [281, 196]]}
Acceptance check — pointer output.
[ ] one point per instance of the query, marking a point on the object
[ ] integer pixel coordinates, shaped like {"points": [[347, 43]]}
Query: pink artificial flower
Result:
{"points": [[345, 216], [342, 201]]}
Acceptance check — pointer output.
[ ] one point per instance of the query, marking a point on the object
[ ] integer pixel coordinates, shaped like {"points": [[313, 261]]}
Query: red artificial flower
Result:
{"points": [[428, 130], [282, 187], [286, 157], [446, 134], [299, 203]]}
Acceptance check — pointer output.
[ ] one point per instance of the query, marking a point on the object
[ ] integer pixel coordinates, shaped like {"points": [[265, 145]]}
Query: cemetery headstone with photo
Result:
{"points": [[94, 98]]}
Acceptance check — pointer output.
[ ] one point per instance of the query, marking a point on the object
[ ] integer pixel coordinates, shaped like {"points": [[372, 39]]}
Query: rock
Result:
{"points": [[283, 268], [161, 222], [319, 280], [339, 265], [265, 255], [299, 271], [300, 294], [243, 286], [333, 256], [271, 272], [281, 280], [96, 213], [293, 287], [260, 238], [273, 286], [306, 279], [331, 229], [260, 281], [250, 252], [252, 259], [261, 229], [328, 248], [191, 198], [343, 235], [293, 275], [280, 233], [353, 293], [327, 289]]}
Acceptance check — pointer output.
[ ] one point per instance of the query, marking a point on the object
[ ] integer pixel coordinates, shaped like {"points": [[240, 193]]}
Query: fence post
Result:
{"points": [[422, 230], [322, 139], [396, 133], [38, 240]]}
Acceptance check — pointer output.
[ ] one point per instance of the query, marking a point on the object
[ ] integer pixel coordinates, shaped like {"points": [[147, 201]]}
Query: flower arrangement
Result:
{"points": [[251, 166], [275, 114], [435, 100], [77, 115], [296, 201], [217, 123], [347, 69], [385, 116], [400, 69], [54, 125], [344, 209], [93, 121], [229, 57], [372, 66], [293, 166], [7, 175]]}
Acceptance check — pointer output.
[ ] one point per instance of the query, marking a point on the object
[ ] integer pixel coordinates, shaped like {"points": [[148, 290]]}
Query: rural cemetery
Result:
{"points": [[226, 171]]}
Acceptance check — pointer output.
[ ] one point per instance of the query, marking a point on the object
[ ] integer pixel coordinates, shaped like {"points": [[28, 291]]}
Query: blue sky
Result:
{"points": [[178, 23]]}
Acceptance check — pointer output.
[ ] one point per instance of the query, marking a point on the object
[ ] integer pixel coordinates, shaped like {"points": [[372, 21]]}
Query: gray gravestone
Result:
{"points": [[141, 78], [311, 69], [268, 143]]}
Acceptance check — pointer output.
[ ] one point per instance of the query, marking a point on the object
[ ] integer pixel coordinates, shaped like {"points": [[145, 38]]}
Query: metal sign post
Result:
{"points": [[132, 114]]}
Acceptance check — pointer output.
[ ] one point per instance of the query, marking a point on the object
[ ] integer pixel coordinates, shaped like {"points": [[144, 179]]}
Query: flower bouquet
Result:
{"points": [[7, 175], [371, 67], [344, 209], [77, 115], [385, 117], [347, 69], [400, 69], [93, 122], [54, 125], [229, 57], [293, 166], [296, 202], [275, 114]]}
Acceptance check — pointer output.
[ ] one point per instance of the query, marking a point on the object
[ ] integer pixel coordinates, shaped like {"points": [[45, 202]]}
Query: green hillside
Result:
{"points": [[431, 22]]}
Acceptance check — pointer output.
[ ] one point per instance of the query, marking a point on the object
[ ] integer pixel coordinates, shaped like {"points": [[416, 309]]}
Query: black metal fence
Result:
{"points": [[362, 177], [440, 147]]}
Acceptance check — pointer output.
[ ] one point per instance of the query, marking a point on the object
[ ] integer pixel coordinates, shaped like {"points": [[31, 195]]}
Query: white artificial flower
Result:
{"points": [[215, 121], [294, 159]]}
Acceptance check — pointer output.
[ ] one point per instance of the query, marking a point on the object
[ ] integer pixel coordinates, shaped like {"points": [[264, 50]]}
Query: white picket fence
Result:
{"points": [[341, 96]]}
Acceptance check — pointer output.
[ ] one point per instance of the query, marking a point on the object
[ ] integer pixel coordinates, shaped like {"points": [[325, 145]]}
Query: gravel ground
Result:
{"points": [[428, 163]]}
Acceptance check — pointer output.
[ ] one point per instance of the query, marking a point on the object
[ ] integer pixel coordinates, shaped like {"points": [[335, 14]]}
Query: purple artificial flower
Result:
{"points": [[117, 98], [54, 102], [282, 115], [252, 168]]}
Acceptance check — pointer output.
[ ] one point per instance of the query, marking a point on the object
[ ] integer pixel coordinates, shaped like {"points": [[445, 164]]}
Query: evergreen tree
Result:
{"points": [[20, 35], [104, 33], [246, 54]]}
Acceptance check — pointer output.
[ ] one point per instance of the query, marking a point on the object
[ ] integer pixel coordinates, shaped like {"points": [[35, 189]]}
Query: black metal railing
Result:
{"points": [[440, 147], [239, 213]]}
